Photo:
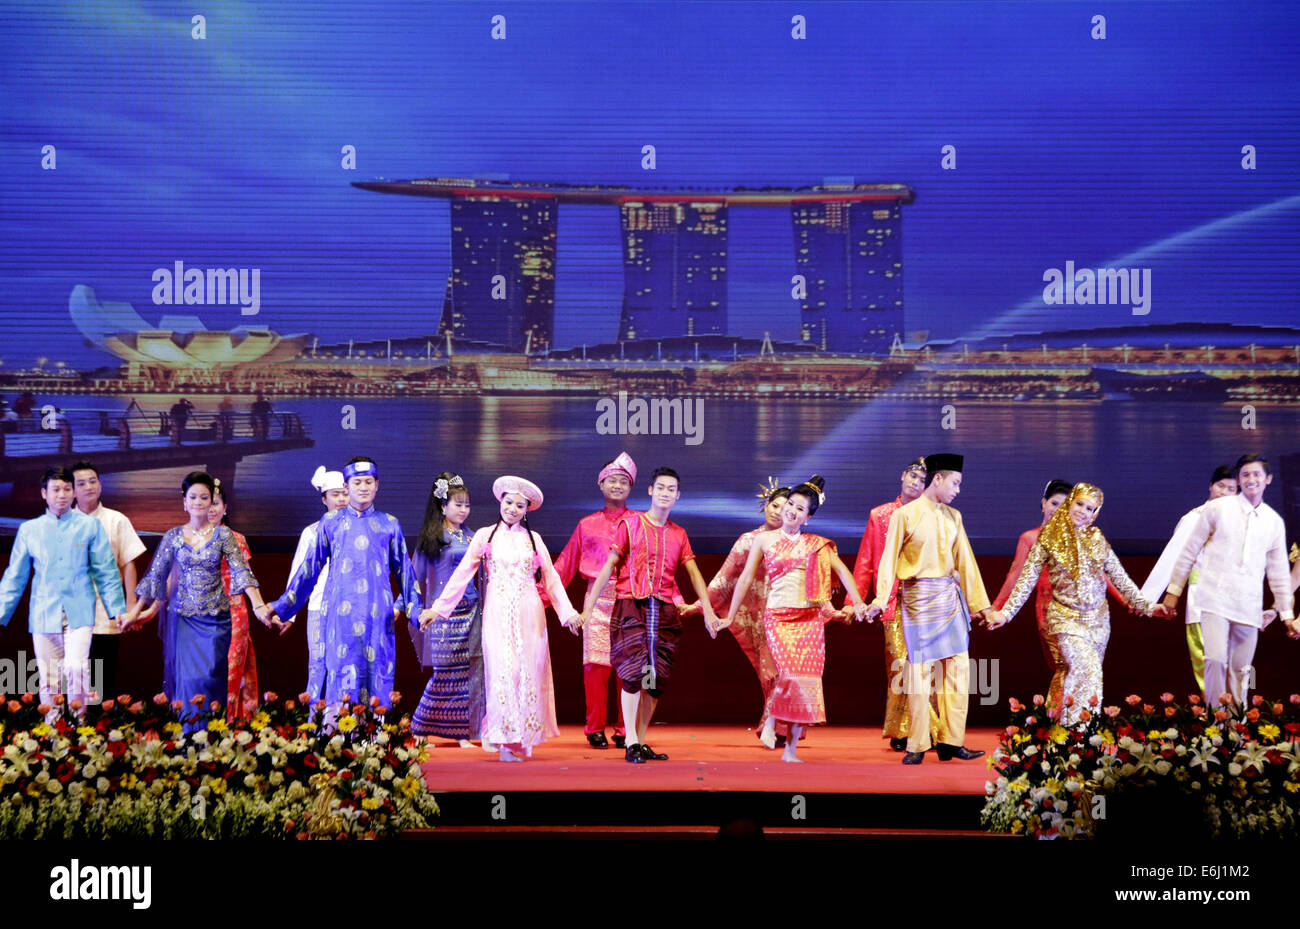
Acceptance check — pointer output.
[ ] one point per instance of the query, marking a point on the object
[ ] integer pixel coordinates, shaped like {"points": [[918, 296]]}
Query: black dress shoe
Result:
{"points": [[948, 752], [649, 754], [913, 757], [898, 745], [633, 754], [597, 740], [620, 741], [780, 741]]}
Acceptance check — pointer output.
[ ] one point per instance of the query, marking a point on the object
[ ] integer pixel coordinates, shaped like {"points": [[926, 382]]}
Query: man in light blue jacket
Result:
{"points": [[72, 558]]}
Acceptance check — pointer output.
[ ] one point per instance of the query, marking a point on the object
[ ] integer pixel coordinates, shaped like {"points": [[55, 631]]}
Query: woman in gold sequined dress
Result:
{"points": [[1078, 560]]}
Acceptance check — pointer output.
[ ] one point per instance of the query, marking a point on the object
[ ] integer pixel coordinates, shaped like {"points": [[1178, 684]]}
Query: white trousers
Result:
{"points": [[1229, 656], [63, 660]]}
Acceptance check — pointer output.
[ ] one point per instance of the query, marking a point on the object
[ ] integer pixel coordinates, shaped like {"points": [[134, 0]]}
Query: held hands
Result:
{"points": [[427, 618], [690, 609], [1160, 611], [1170, 602], [872, 613], [575, 623], [714, 623], [994, 619], [861, 612], [1292, 627]]}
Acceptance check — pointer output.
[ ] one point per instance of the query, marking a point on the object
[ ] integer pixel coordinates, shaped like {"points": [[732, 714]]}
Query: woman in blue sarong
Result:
{"points": [[196, 641], [452, 705]]}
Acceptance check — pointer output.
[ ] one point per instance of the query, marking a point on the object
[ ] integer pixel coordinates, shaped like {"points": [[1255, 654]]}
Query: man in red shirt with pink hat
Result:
{"points": [[586, 553]]}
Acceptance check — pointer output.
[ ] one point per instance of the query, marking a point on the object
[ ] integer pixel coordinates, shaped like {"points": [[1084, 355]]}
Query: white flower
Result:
{"points": [[1180, 750], [1162, 767], [250, 781], [54, 787], [30, 745], [1031, 750], [1047, 767], [115, 735], [205, 790], [1233, 768], [101, 784], [42, 776], [1125, 742], [244, 737], [276, 778], [89, 770], [1073, 786], [1171, 733]]}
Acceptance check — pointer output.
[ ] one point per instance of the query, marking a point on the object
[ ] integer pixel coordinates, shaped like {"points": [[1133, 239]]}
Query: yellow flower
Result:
{"points": [[1107, 737], [1212, 732], [347, 723], [1292, 786], [217, 784], [40, 730], [1155, 735], [85, 731], [410, 786], [172, 728], [259, 722], [1017, 826], [390, 727], [1057, 734], [129, 781], [1018, 786], [370, 803], [1054, 785], [217, 725], [1269, 731], [306, 727]]}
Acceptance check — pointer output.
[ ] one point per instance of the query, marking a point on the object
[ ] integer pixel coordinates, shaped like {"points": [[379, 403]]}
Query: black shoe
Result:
{"points": [[597, 740], [633, 754], [948, 752], [780, 741], [898, 745], [620, 741], [913, 757], [649, 754]]}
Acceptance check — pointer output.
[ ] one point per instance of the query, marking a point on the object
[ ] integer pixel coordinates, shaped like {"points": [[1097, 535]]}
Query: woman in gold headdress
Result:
{"points": [[1078, 560]]}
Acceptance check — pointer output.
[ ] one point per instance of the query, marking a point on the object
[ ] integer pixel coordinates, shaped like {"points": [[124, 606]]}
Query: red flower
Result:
{"points": [[1220, 715], [1038, 699], [27, 698], [1069, 701], [1085, 715], [1148, 709], [58, 700], [198, 700], [1167, 697], [309, 760], [1256, 700], [137, 707], [1253, 715], [108, 705], [43, 708], [1295, 699], [358, 709], [374, 701], [1112, 711], [14, 706], [1198, 711], [1015, 705], [1292, 728], [345, 775], [1093, 700], [1132, 699], [1225, 698], [304, 698], [1030, 720], [289, 704], [270, 696], [394, 697], [160, 699], [1170, 711], [1278, 708], [1193, 699]]}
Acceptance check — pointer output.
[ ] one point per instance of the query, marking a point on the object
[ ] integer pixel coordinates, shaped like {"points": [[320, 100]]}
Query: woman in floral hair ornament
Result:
{"points": [[520, 693], [453, 701]]}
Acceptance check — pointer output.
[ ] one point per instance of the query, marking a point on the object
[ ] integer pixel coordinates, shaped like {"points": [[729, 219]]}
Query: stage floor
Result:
{"points": [[838, 760]]}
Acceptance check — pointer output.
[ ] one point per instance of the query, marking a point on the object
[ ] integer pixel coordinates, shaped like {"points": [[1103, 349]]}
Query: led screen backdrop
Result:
{"points": [[742, 239]]}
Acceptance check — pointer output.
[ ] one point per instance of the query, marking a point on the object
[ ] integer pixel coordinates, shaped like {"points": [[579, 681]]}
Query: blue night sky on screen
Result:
{"points": [[225, 151]]}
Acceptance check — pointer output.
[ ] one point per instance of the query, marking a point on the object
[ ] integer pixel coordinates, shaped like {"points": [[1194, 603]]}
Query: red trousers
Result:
{"points": [[595, 681]]}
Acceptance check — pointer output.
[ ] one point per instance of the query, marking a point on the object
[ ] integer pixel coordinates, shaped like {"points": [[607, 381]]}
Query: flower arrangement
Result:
{"points": [[132, 768], [1238, 766]]}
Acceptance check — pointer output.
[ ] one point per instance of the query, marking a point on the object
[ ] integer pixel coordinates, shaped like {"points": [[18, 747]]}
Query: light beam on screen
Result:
{"points": [[838, 454]]}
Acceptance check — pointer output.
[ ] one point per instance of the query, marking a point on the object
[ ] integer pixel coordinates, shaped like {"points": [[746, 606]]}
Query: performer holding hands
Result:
{"points": [[799, 568], [1078, 560]]}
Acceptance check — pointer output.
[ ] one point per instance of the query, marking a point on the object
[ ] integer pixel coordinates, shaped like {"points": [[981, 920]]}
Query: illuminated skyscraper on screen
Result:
{"points": [[502, 287], [674, 270], [851, 259]]}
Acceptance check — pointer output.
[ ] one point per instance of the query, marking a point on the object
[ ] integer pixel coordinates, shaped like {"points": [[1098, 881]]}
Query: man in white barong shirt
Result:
{"points": [[1240, 540]]}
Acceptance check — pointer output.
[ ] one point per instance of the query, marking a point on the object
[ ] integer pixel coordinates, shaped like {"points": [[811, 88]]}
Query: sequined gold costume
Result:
{"points": [[1078, 562]]}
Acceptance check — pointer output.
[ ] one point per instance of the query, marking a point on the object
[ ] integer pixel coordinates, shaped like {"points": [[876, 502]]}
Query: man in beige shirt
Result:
{"points": [[927, 551], [126, 548]]}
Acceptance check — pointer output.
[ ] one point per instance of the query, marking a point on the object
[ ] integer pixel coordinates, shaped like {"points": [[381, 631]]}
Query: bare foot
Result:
{"points": [[508, 755], [768, 735], [488, 746], [466, 743]]}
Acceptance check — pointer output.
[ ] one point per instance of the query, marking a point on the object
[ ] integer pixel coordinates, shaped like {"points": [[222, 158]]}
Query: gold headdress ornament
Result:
{"points": [[1068, 544], [1295, 553], [766, 490]]}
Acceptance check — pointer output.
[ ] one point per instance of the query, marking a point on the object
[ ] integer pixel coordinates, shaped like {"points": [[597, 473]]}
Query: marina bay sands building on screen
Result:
{"points": [[847, 245]]}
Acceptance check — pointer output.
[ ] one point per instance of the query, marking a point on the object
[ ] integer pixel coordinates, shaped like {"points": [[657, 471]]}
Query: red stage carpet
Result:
{"points": [[717, 778], [839, 760]]}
